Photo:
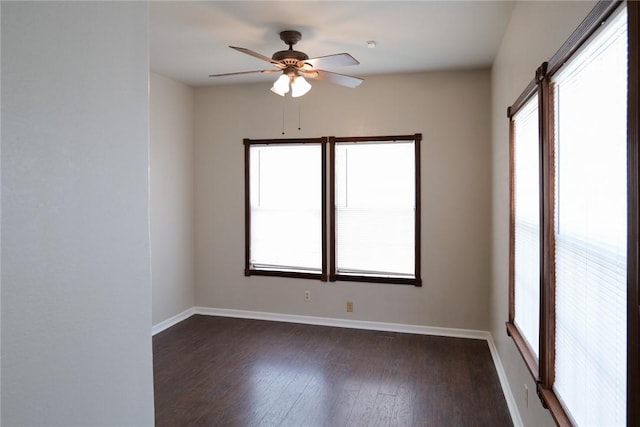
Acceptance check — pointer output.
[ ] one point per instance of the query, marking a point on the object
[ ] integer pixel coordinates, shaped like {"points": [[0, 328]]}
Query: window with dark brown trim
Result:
{"points": [[375, 190], [525, 228], [588, 361], [374, 219], [285, 208]]}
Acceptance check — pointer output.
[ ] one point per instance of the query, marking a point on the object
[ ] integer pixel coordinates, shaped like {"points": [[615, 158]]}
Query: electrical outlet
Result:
{"points": [[526, 396], [349, 306], [307, 295]]}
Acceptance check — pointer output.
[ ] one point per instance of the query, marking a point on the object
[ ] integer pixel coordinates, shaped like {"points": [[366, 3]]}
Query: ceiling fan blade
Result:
{"points": [[258, 55], [337, 60], [341, 79], [245, 72]]}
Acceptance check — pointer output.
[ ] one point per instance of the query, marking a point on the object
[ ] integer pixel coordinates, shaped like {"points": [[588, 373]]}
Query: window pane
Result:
{"points": [[286, 207], [375, 209], [590, 222], [527, 223]]}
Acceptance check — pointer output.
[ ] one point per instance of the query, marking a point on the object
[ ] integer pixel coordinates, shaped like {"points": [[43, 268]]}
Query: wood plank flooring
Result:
{"points": [[216, 371]]}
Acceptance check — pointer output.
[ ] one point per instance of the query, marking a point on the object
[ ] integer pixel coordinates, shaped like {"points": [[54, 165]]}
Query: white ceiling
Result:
{"points": [[190, 40]]}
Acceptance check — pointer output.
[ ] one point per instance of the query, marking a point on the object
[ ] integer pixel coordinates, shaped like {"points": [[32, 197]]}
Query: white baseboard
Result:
{"points": [[506, 389], [361, 324], [165, 324], [344, 323]]}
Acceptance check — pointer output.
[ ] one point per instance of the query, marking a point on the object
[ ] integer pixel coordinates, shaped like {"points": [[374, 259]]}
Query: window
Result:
{"points": [[587, 329], [524, 304], [374, 221], [376, 212], [285, 207], [590, 224]]}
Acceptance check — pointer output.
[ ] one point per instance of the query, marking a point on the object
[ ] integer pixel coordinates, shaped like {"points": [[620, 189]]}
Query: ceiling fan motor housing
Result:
{"points": [[290, 56], [286, 55]]}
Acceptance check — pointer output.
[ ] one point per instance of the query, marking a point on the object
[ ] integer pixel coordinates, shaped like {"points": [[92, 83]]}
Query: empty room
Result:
{"points": [[298, 213]]}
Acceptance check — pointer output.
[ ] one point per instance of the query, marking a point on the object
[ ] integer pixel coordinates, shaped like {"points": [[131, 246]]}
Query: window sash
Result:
{"points": [[525, 220], [375, 184], [590, 137], [375, 191], [276, 205]]}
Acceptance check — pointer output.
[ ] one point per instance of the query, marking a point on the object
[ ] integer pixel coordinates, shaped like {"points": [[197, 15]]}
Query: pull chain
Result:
{"points": [[283, 115], [299, 114]]}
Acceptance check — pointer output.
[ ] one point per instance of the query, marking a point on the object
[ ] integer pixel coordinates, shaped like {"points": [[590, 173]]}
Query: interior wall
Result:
{"points": [[171, 196], [448, 108], [0, 218], [535, 32], [76, 287]]}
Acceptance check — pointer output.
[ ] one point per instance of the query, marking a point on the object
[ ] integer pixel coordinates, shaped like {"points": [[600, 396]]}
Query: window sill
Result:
{"points": [[551, 402], [376, 279], [529, 358], [283, 273]]}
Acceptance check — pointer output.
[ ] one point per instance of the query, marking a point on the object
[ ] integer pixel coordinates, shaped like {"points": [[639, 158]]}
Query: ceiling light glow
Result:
{"points": [[281, 86], [299, 86]]}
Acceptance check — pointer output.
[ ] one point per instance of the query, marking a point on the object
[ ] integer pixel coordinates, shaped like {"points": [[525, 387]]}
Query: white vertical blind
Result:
{"points": [[527, 223], [590, 221], [286, 207], [375, 208]]}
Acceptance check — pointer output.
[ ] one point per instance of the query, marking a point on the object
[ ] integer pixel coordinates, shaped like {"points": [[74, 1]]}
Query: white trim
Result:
{"points": [[165, 324], [508, 395], [362, 324], [344, 323]]}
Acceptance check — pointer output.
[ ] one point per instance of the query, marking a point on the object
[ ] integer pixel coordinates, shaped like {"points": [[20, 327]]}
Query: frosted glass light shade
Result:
{"points": [[281, 86], [299, 86]]}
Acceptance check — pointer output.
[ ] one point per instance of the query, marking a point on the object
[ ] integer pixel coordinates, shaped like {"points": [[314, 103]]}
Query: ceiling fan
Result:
{"points": [[296, 65]]}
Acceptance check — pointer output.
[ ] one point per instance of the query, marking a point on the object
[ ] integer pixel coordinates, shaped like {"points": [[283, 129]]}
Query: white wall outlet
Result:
{"points": [[307, 295]]}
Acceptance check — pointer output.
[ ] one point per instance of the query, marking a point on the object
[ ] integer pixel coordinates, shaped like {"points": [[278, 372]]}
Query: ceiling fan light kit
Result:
{"points": [[299, 86], [296, 65], [281, 86]]}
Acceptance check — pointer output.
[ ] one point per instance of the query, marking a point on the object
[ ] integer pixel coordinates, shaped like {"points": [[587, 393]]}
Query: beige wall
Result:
{"points": [[171, 196], [535, 32], [449, 108]]}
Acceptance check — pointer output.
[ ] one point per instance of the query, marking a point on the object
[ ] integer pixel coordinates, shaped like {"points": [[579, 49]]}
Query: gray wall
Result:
{"points": [[449, 108], [76, 288], [171, 197], [536, 31]]}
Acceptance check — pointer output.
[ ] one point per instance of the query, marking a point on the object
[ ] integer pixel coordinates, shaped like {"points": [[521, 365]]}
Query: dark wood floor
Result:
{"points": [[216, 371]]}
